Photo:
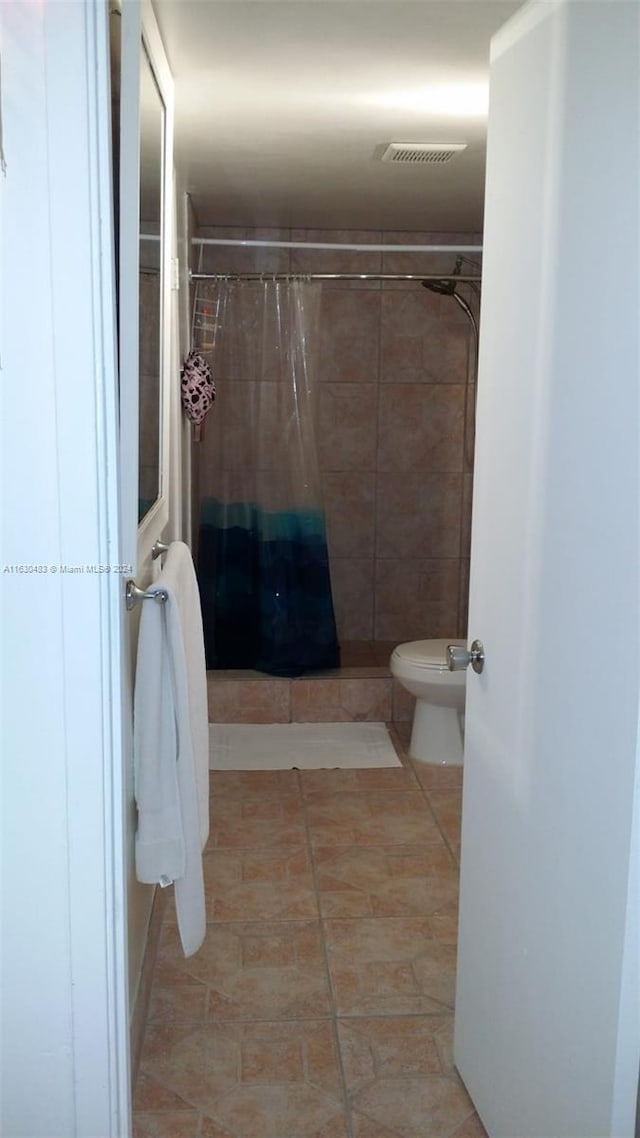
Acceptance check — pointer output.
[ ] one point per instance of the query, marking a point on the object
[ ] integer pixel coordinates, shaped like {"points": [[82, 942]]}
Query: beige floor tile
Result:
{"points": [[274, 1111], [388, 881], [472, 1128], [397, 1081], [411, 1108], [200, 1064], [400, 734], [403, 731], [389, 966], [392, 1048], [151, 1096], [178, 1003], [169, 1124], [256, 971], [252, 784], [438, 777], [447, 807], [370, 818], [250, 1080], [334, 781], [259, 885], [239, 1041], [256, 822], [444, 927], [209, 1129]]}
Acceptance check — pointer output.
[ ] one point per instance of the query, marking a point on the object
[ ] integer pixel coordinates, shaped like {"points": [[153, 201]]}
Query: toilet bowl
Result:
{"points": [[421, 667]]}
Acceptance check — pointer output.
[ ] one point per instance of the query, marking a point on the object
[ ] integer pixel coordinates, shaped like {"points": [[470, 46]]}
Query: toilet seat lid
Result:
{"points": [[427, 653]]}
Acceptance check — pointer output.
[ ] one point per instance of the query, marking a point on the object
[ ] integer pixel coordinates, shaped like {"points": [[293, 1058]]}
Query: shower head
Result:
{"points": [[447, 286], [443, 287]]}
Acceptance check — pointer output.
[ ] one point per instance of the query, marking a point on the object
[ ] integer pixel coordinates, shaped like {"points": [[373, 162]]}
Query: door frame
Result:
{"points": [[65, 997]]}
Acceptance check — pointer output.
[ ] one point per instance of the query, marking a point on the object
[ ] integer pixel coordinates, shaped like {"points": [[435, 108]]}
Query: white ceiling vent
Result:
{"points": [[420, 152]]}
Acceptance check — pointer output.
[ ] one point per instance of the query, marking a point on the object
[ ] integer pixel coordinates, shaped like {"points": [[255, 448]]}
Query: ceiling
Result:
{"points": [[284, 106]]}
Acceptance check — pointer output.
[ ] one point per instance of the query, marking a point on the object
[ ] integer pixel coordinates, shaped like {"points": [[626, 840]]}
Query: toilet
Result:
{"points": [[421, 667]]}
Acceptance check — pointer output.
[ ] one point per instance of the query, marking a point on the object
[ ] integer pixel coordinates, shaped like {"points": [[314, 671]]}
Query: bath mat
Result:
{"points": [[305, 746]]}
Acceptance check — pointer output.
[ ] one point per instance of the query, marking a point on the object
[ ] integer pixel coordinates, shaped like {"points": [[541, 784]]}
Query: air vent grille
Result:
{"points": [[419, 153]]}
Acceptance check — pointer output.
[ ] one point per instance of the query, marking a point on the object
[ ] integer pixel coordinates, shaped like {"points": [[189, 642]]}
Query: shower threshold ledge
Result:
{"points": [[362, 689]]}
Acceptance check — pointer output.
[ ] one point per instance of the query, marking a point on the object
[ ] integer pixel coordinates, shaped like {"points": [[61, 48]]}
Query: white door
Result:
{"points": [[547, 1022]]}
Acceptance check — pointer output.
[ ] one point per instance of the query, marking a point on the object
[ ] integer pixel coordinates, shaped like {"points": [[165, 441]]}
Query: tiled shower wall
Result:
{"points": [[395, 428]]}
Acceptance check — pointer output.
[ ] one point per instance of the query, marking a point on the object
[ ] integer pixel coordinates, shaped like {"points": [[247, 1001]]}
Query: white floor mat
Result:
{"points": [[305, 746]]}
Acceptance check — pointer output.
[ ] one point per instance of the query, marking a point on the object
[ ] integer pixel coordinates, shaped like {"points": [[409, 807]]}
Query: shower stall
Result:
{"points": [[371, 434]]}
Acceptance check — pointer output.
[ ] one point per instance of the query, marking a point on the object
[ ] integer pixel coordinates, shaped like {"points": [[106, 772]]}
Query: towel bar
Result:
{"points": [[135, 596]]}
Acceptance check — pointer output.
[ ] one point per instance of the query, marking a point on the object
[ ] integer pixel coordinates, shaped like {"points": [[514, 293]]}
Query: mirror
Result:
{"points": [[150, 289], [145, 243]]}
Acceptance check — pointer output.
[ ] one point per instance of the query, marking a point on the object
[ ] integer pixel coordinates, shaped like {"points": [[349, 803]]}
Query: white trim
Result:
{"points": [[139, 27], [153, 524], [128, 260], [254, 244]]}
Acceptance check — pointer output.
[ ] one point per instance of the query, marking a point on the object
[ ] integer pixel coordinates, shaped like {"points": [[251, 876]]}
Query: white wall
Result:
{"points": [[64, 1020]]}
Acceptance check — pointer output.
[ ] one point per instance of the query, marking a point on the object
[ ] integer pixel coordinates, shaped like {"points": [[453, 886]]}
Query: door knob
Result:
{"points": [[459, 658]]}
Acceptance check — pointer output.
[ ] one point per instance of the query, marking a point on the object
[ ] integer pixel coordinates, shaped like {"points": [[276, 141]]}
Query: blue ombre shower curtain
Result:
{"points": [[262, 560]]}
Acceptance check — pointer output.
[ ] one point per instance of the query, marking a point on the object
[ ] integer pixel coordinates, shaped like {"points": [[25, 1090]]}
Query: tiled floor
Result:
{"points": [[320, 1005]]}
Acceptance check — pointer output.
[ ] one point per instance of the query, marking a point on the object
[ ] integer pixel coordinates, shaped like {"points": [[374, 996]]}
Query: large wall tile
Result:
{"points": [[349, 333], [463, 605], [429, 621], [418, 514], [352, 585], [467, 501], [420, 427], [416, 599], [349, 498], [421, 340], [347, 426], [470, 426]]}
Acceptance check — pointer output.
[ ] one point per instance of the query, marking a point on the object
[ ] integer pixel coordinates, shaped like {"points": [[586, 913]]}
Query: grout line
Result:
{"points": [[443, 835], [444, 1011], [328, 977]]}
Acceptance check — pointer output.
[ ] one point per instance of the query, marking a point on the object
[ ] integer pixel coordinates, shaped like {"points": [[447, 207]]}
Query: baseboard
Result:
{"points": [[141, 1006]]}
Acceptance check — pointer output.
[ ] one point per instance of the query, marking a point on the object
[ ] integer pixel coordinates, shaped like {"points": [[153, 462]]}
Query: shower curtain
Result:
{"points": [[263, 566]]}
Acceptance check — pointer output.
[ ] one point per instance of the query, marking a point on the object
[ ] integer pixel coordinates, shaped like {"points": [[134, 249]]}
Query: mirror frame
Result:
{"points": [[139, 28]]}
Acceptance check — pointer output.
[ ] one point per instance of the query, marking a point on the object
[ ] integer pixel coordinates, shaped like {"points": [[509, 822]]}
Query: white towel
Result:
{"points": [[171, 744]]}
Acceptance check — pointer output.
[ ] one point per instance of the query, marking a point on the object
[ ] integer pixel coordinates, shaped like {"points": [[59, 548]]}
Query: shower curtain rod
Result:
{"points": [[462, 277], [259, 244]]}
